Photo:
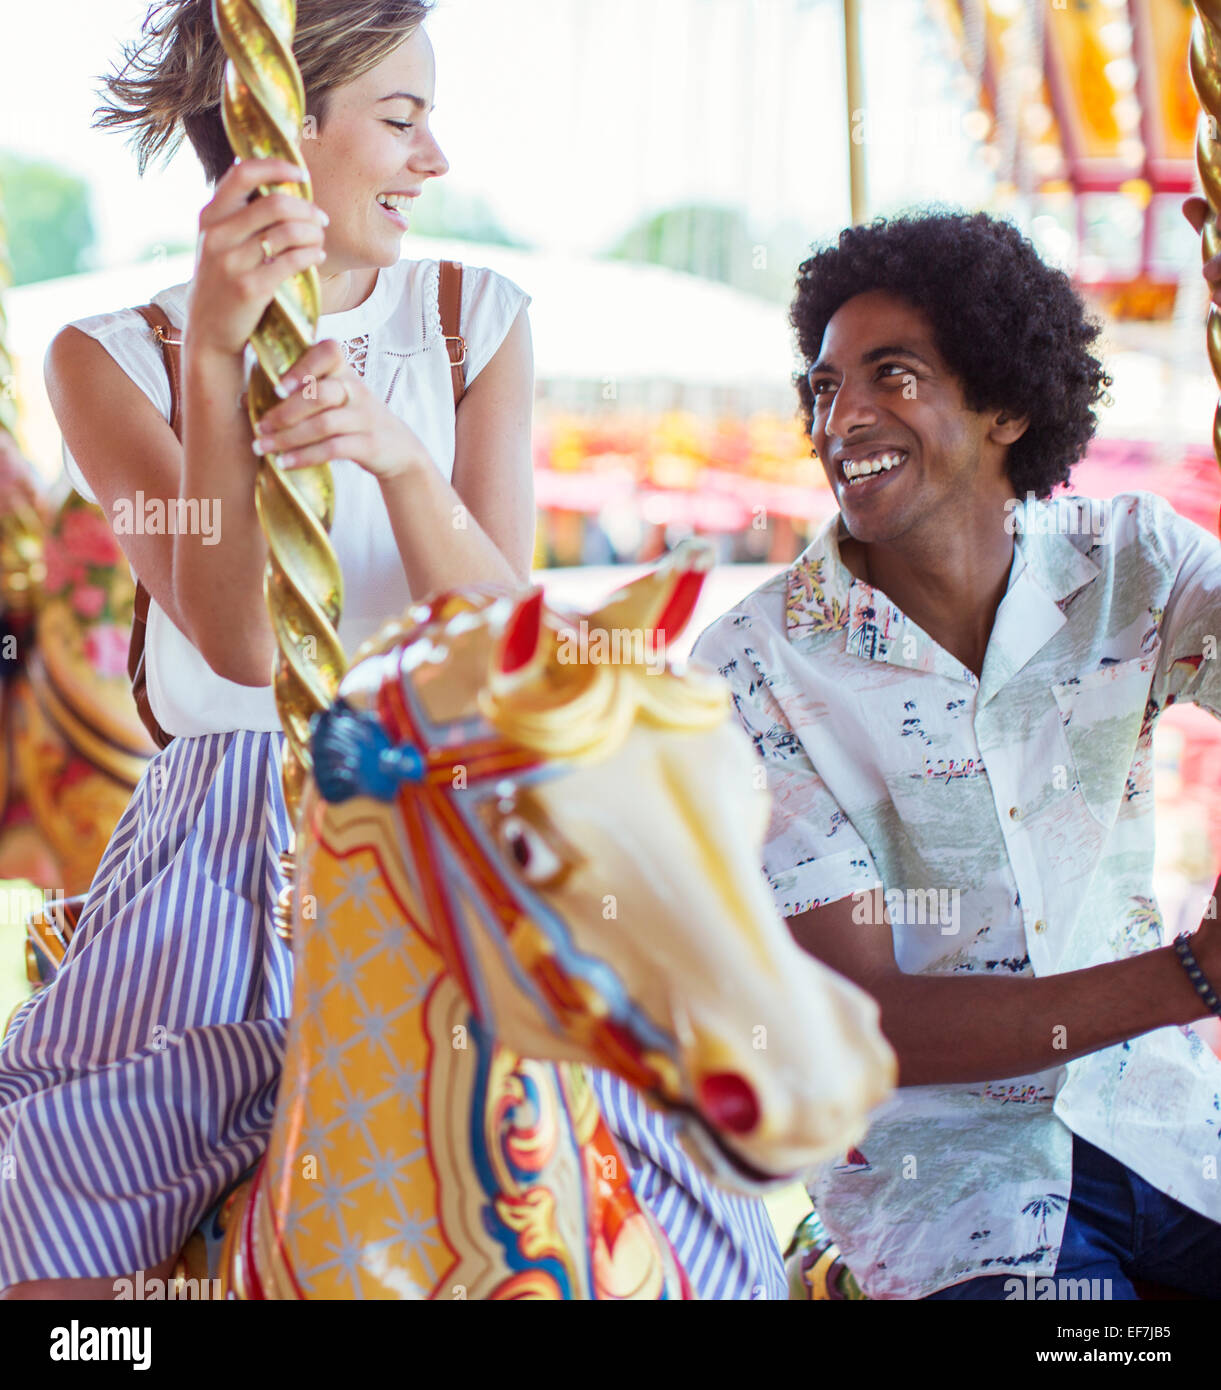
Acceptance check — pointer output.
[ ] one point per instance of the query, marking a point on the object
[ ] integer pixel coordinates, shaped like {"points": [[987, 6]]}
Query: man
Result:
{"points": [[954, 692]]}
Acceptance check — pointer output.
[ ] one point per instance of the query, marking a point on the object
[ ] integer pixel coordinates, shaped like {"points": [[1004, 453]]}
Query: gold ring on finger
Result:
{"points": [[267, 256]]}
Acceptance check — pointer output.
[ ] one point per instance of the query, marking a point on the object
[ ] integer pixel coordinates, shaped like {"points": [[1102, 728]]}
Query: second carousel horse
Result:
{"points": [[73, 744]]}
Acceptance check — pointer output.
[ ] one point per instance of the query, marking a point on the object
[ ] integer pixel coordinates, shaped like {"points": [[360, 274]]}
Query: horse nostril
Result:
{"points": [[729, 1101]]}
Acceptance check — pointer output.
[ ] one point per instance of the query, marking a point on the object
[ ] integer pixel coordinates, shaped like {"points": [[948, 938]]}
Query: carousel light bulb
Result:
{"points": [[1037, 120], [1046, 160], [1054, 241], [1127, 114], [1140, 191], [1116, 36], [1030, 79], [976, 125], [1121, 74]]}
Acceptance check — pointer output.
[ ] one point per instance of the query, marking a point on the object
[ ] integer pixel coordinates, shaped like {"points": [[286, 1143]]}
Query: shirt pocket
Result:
{"points": [[1101, 716]]}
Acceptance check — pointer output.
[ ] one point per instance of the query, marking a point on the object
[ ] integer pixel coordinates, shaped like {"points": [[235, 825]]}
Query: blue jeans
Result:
{"points": [[1120, 1228]]}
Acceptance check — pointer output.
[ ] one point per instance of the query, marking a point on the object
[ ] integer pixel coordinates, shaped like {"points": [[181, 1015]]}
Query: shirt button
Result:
{"points": [[1040, 925], [1014, 813]]}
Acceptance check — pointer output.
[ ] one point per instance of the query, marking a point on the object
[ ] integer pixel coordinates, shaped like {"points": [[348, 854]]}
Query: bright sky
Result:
{"points": [[572, 117]]}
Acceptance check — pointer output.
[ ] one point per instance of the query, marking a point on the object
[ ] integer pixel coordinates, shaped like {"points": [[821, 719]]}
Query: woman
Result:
{"points": [[140, 1084]]}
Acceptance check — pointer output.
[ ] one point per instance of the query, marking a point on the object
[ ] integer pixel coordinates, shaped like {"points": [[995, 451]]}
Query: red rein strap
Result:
{"points": [[427, 804]]}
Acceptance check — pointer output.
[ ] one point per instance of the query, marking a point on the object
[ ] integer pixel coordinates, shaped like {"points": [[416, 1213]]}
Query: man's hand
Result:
{"points": [[1196, 212]]}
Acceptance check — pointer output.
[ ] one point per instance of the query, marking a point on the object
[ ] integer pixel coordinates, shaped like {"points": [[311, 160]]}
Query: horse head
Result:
{"points": [[585, 821]]}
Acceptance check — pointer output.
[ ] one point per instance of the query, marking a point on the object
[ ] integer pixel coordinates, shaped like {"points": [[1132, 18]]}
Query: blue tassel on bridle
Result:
{"points": [[353, 756]]}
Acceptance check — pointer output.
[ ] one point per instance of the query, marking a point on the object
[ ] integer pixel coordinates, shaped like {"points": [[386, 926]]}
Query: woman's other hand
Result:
{"points": [[234, 282], [1196, 212], [331, 414]]}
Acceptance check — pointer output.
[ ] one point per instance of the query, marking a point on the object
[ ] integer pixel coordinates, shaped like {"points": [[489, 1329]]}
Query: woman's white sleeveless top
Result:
{"points": [[394, 341]]}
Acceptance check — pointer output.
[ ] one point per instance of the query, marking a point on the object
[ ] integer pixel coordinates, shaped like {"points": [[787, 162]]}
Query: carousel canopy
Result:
{"points": [[1098, 88], [1087, 109]]}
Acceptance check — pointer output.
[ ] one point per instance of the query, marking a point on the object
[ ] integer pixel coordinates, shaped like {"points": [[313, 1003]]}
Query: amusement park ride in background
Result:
{"points": [[1086, 101], [529, 1209]]}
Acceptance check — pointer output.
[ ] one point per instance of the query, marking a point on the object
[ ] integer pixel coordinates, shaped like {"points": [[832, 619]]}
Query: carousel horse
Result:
{"points": [[72, 747], [519, 858]]}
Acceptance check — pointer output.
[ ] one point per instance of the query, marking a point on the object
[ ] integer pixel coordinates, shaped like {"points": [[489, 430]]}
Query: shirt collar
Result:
{"points": [[823, 596], [1045, 539], [1048, 571], [818, 586]]}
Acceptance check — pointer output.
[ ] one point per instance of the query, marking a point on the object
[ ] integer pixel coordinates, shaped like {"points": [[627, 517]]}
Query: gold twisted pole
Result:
{"points": [[263, 108], [21, 533], [1205, 64]]}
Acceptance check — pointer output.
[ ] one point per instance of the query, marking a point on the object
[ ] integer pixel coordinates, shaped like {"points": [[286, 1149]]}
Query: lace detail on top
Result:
{"points": [[356, 350], [432, 305]]}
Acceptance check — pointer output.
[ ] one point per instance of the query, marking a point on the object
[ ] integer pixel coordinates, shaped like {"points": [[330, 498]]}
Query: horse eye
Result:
{"points": [[528, 850]]}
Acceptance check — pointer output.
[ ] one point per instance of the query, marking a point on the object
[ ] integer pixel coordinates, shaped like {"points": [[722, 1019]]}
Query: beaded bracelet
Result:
{"points": [[1182, 946]]}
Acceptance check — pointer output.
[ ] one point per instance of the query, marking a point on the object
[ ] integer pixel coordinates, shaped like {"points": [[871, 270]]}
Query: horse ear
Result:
{"points": [[663, 601], [688, 583], [520, 638]]}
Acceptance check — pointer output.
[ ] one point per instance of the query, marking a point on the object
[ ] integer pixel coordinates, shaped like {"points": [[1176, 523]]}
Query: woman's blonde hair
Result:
{"points": [[174, 74]]}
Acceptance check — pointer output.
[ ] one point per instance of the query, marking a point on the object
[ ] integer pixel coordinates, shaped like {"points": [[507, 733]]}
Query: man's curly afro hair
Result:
{"points": [[1012, 329]]}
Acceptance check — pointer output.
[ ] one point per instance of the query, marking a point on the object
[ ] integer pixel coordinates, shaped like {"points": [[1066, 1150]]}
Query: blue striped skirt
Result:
{"points": [[140, 1084]]}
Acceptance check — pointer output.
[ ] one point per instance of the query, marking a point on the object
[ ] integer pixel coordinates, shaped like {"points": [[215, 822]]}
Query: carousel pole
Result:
{"points": [[1205, 64], [854, 85], [21, 531], [263, 109]]}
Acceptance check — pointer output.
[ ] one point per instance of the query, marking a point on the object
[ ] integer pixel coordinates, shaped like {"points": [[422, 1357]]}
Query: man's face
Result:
{"points": [[900, 448]]}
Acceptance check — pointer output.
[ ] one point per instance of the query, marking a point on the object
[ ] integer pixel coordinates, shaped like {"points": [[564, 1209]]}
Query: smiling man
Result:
{"points": [[954, 691]]}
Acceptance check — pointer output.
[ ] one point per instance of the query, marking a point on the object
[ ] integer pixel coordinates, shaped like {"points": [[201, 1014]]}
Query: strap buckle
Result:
{"points": [[160, 335], [461, 341]]}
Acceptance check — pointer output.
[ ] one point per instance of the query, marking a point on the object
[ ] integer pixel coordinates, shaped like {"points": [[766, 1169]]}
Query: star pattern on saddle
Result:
{"points": [[385, 1169], [364, 1096], [350, 1256], [414, 1232], [407, 1082]]}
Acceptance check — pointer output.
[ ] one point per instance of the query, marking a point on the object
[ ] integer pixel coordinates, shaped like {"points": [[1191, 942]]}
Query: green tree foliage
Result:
{"points": [[447, 211], [717, 243], [49, 224], [712, 242]]}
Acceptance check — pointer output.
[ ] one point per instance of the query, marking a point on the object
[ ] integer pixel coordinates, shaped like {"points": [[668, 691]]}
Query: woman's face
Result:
{"points": [[375, 144]]}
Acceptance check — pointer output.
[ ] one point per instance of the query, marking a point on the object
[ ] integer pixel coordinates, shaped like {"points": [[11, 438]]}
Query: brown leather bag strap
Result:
{"points": [[450, 302], [139, 612], [171, 349]]}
